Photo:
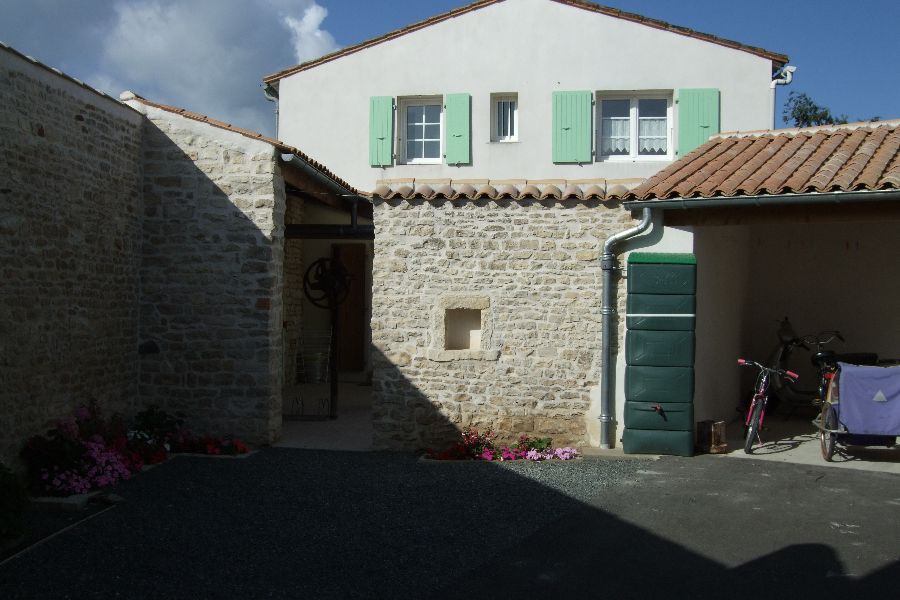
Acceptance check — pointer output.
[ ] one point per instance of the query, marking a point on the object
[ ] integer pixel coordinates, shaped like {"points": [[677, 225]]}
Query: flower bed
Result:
{"points": [[87, 451], [480, 446]]}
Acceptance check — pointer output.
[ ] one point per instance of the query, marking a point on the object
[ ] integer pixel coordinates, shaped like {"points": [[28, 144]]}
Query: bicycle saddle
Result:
{"points": [[823, 357]]}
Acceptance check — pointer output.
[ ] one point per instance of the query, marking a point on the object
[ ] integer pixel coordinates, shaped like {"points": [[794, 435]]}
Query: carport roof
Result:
{"points": [[858, 158]]}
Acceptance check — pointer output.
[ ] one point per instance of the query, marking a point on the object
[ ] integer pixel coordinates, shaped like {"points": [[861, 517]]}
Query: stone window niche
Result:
{"points": [[461, 329]]}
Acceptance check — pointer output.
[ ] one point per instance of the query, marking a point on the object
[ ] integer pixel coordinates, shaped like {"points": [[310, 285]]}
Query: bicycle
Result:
{"points": [[756, 413], [824, 361]]}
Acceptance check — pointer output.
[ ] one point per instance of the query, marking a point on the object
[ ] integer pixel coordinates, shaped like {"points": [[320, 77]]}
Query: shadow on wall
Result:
{"points": [[211, 272]]}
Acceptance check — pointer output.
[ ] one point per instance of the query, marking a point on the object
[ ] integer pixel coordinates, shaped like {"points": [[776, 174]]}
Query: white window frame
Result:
{"points": [[402, 105], [496, 99], [633, 118]]}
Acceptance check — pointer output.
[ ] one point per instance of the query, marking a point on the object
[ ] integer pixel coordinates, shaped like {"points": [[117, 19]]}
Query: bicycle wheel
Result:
{"points": [[753, 427], [826, 436]]}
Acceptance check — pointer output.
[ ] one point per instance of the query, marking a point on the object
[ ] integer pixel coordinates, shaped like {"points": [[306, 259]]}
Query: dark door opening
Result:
{"points": [[351, 335]]}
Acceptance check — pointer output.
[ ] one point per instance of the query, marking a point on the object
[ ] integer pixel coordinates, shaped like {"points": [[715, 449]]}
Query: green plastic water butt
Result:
{"points": [[664, 416], [644, 441], [659, 348], [659, 384], [672, 312]]}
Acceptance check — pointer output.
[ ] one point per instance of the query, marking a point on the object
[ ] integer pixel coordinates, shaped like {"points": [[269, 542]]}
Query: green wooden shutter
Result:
{"points": [[459, 126], [381, 131], [698, 117], [572, 127]]}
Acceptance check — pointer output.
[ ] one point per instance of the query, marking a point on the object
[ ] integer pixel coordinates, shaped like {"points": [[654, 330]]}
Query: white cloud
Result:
{"points": [[209, 56], [309, 39]]}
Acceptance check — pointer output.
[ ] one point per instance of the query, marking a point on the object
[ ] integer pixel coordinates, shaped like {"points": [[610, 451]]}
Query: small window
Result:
{"points": [[462, 329], [635, 127], [422, 127], [504, 117]]}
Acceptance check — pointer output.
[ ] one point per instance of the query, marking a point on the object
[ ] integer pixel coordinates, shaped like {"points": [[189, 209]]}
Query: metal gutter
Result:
{"points": [[609, 264], [766, 200], [331, 184]]}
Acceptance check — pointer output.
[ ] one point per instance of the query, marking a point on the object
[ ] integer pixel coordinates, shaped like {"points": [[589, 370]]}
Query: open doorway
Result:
{"points": [[327, 394]]}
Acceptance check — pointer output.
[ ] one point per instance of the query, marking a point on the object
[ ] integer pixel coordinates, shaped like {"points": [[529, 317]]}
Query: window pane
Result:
{"points": [[651, 108], [413, 150], [652, 136], [432, 149], [432, 113], [616, 108], [615, 127], [652, 127], [413, 131], [414, 114], [432, 132], [512, 118]]}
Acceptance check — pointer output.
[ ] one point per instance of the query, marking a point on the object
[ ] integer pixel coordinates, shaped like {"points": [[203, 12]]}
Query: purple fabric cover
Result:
{"points": [[869, 399]]}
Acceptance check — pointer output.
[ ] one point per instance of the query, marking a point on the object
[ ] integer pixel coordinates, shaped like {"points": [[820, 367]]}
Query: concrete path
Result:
{"points": [[289, 523], [796, 440]]}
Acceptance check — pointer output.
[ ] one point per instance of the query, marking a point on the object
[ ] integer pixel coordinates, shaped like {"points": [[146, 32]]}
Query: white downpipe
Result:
{"points": [[784, 76]]}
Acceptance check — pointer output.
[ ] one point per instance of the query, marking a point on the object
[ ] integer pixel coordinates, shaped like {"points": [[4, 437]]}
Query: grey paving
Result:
{"points": [[288, 523]]}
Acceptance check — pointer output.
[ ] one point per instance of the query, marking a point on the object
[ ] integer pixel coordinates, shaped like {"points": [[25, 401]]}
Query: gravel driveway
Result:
{"points": [[288, 523]]}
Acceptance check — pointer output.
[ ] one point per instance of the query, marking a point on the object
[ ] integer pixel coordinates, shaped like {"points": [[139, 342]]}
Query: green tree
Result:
{"points": [[801, 111]]}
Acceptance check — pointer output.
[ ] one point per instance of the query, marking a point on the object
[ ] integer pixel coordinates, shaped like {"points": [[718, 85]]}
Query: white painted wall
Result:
{"points": [[532, 47], [723, 281], [843, 276]]}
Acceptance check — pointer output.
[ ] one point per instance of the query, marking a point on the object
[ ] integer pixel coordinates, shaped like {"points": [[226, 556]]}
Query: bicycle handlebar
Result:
{"points": [[790, 375]]}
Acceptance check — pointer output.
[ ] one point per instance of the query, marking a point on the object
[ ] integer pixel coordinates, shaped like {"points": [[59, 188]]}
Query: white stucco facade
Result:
{"points": [[530, 48]]}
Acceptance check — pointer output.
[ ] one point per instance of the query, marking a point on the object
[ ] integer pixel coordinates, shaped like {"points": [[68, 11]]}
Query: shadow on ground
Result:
{"points": [[288, 523]]}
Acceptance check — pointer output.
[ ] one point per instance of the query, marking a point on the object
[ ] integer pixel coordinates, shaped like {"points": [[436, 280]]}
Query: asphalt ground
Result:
{"points": [[287, 523]]}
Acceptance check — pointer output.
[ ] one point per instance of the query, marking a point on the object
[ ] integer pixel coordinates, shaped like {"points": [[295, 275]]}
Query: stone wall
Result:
{"points": [[211, 304], [70, 209], [533, 270]]}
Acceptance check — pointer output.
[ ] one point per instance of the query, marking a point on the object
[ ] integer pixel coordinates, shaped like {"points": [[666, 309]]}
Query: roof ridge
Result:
{"points": [[776, 57], [811, 129]]}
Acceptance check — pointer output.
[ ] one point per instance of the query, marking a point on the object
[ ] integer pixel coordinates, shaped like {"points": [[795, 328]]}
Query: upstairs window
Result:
{"points": [[423, 126], [637, 127], [504, 118]]}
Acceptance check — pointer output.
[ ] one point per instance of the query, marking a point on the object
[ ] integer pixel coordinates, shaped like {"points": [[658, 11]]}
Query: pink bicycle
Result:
{"points": [[756, 413]]}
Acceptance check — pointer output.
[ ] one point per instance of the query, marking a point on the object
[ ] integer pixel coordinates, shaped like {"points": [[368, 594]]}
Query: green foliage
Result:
{"points": [[801, 111], [13, 501], [540, 444], [158, 423]]}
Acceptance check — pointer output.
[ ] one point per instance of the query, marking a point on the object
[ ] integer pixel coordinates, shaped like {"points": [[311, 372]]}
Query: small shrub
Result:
{"points": [[475, 446], [13, 501], [83, 452]]}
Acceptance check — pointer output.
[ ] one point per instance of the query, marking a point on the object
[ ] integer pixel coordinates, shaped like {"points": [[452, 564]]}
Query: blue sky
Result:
{"points": [[210, 55]]}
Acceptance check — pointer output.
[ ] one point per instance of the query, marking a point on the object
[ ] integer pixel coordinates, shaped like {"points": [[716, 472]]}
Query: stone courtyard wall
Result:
{"points": [[70, 210], [532, 269], [211, 277]]}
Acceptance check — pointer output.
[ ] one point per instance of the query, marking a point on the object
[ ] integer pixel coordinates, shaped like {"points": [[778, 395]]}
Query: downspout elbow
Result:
{"points": [[784, 76], [271, 94]]}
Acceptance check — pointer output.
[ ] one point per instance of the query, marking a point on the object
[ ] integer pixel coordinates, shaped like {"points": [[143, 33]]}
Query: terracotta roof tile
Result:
{"points": [[484, 189], [279, 145], [844, 158], [776, 57]]}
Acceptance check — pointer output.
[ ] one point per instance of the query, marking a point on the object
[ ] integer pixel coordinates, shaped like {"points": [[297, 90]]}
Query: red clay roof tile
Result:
{"points": [[852, 157]]}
